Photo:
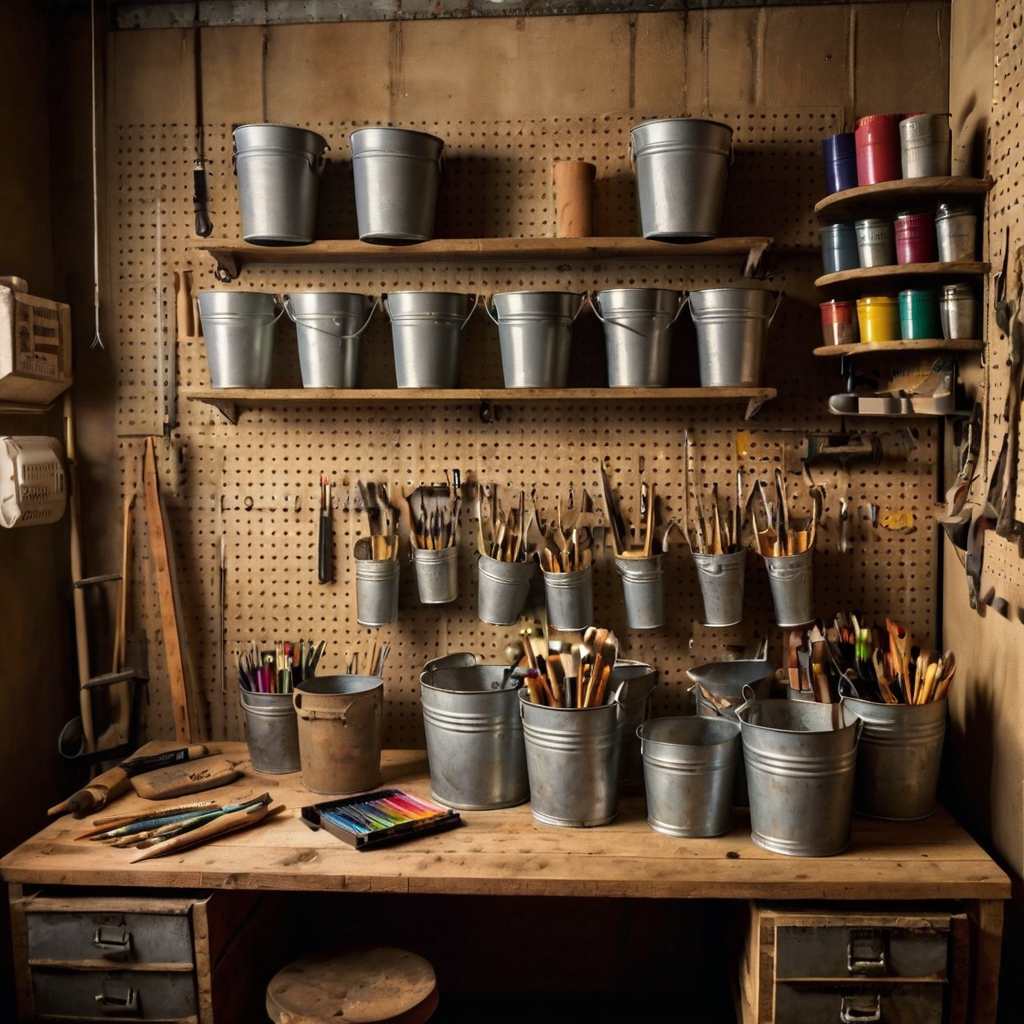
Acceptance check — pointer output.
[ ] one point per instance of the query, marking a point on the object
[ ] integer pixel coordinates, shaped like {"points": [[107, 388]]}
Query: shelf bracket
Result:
{"points": [[227, 408], [754, 406], [228, 267], [754, 266]]}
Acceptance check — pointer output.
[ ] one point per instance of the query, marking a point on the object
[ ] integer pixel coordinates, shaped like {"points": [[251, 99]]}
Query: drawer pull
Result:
{"points": [[865, 953], [115, 942], [129, 1003], [860, 1009]]}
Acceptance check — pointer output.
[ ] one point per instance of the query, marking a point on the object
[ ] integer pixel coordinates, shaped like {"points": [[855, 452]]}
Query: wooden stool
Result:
{"points": [[366, 985]]}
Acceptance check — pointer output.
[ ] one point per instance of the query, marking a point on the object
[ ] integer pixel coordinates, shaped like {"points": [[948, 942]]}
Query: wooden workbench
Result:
{"points": [[507, 853]]}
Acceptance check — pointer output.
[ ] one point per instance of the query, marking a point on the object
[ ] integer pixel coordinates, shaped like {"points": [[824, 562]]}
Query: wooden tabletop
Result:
{"points": [[508, 853]]}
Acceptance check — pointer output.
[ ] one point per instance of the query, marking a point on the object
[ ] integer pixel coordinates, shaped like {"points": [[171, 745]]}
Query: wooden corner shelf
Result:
{"points": [[232, 258], [923, 345], [900, 271], [869, 198], [230, 401]]}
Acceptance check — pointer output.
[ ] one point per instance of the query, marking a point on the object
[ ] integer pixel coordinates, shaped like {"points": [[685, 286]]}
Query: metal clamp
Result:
{"points": [[115, 941], [865, 952], [116, 1005], [860, 1009]]}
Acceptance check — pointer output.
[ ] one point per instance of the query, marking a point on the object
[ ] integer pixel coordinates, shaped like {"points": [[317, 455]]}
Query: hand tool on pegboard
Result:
{"points": [[1006, 524], [200, 193]]}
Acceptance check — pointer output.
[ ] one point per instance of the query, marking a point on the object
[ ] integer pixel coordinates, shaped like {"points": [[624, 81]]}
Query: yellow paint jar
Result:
{"points": [[879, 318]]}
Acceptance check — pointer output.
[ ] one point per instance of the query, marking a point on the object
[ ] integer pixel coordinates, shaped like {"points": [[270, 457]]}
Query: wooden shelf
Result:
{"points": [[923, 345], [869, 198], [897, 272], [233, 257], [231, 400]]}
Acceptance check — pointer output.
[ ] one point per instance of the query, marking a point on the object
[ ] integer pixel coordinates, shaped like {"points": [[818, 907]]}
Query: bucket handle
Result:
{"points": [[472, 309], [488, 299], [749, 697], [317, 162], [584, 300], [332, 716], [778, 302], [343, 337], [684, 298]]}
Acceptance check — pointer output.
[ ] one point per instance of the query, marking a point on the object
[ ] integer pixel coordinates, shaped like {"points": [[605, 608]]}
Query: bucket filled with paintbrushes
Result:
{"points": [[435, 556], [567, 564], [718, 553], [376, 558], [506, 564]]}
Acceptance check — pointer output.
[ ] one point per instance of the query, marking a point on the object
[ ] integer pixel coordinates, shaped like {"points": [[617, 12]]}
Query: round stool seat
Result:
{"points": [[365, 985]]}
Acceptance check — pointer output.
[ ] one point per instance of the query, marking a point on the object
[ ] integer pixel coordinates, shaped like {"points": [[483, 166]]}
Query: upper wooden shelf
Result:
{"points": [[899, 271], [231, 400], [923, 345], [869, 198], [233, 257]]}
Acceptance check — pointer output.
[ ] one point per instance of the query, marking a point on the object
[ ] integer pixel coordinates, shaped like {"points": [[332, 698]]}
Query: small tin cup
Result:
{"points": [[879, 318], [839, 322]]}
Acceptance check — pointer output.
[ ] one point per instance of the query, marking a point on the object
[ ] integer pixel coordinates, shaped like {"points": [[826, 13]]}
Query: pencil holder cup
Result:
{"points": [[570, 598], [792, 582], [572, 758], [643, 590], [721, 586], [271, 732], [502, 589], [437, 574], [376, 591]]}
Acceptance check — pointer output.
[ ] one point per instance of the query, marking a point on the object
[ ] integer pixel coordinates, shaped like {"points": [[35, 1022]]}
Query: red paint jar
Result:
{"points": [[915, 238], [839, 322], [877, 141]]}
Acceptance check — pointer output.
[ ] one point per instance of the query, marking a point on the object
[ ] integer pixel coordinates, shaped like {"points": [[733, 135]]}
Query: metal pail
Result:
{"points": [[340, 728], [689, 774], [328, 326], [792, 581], [437, 574], [396, 172], [570, 598], [426, 328], [278, 168], [732, 330], [637, 681], [638, 334], [271, 732], [899, 758], [682, 165], [376, 591], [572, 756], [474, 736], [800, 760], [643, 590], [535, 336], [721, 579], [238, 328], [502, 589]]}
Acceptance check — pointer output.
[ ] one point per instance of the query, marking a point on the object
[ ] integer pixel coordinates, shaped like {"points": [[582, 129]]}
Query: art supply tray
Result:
{"points": [[354, 829]]}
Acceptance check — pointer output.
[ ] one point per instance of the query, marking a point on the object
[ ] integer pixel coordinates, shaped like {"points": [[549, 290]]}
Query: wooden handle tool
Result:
{"points": [[233, 822]]}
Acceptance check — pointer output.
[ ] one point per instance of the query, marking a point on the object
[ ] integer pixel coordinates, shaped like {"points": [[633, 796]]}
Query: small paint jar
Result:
{"points": [[958, 310], [875, 246], [839, 322], [879, 319], [915, 238], [956, 228], [925, 146], [839, 154], [877, 143], [839, 248], [919, 315]]}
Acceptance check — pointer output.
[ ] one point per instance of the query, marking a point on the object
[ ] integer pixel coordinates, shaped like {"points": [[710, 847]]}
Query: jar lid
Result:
{"points": [[878, 119]]}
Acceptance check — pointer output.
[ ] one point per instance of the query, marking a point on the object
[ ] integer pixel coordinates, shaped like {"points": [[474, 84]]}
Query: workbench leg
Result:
{"points": [[987, 920], [19, 946]]}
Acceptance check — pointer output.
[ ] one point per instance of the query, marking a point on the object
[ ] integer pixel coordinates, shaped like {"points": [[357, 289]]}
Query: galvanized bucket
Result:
{"points": [[956, 230], [570, 598], [474, 736], [792, 581], [271, 732], [925, 146], [876, 242], [396, 174], [328, 326], [958, 311], [638, 333], [340, 728], [681, 169], [278, 168], [634, 683], [800, 760], [721, 579], [502, 589], [572, 757], [899, 759], [839, 248], [376, 591], [535, 336], [426, 329], [239, 331], [732, 330], [643, 591], [689, 774], [437, 574]]}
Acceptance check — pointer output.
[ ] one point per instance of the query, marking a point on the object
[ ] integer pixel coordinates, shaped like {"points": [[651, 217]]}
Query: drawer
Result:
{"points": [[65, 938], [886, 1003], [114, 995]]}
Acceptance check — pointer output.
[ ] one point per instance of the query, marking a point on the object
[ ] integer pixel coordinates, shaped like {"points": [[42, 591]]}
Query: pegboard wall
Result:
{"points": [[242, 498]]}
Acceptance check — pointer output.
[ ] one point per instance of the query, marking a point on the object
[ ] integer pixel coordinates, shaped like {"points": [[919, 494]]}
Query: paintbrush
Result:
{"points": [[223, 825]]}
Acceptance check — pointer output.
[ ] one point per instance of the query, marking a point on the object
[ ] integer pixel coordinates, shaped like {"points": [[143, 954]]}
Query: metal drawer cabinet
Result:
{"points": [[850, 965]]}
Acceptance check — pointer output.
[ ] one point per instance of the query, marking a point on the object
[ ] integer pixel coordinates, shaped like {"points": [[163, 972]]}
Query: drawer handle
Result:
{"points": [[865, 953], [109, 1004], [860, 1009], [116, 942]]}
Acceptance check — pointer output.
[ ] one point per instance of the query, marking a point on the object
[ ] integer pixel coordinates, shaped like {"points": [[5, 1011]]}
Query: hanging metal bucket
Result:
{"points": [[791, 578], [426, 328], [634, 682], [278, 168], [732, 331], [689, 774], [800, 760], [396, 172], [899, 759], [682, 165], [376, 591], [238, 328], [638, 333], [572, 757], [535, 336], [271, 732], [437, 574], [502, 589], [328, 326], [721, 579], [474, 735], [570, 598], [340, 729], [643, 590]]}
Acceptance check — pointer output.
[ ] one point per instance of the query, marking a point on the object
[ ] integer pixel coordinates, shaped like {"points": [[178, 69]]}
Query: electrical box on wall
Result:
{"points": [[32, 489], [35, 345]]}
